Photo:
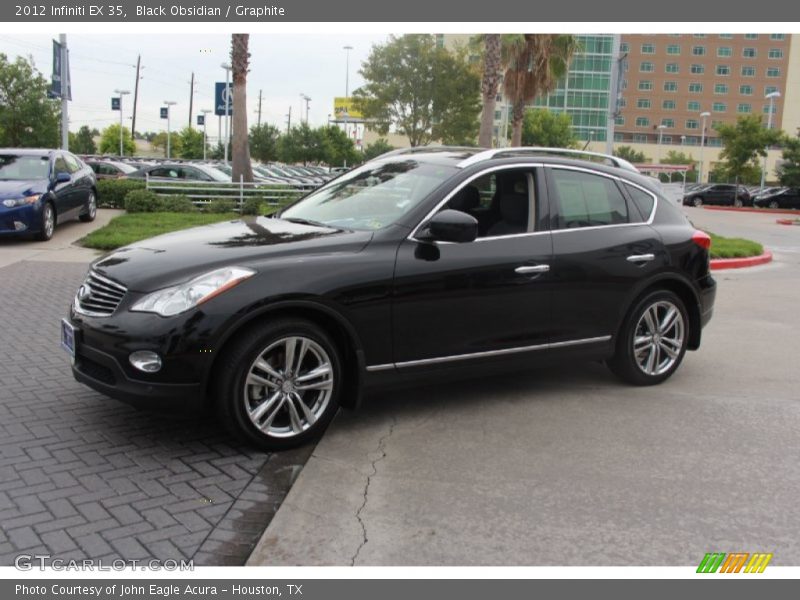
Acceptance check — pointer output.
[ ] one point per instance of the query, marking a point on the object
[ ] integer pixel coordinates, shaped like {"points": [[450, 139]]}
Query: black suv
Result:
{"points": [[422, 262], [720, 194]]}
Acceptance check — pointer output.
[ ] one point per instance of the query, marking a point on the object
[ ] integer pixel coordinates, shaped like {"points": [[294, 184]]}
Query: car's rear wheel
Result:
{"points": [[652, 341], [738, 203], [278, 385], [697, 201], [774, 204], [48, 225], [90, 209]]}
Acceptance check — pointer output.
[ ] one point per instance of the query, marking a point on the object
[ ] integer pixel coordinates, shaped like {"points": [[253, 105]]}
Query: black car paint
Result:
{"points": [[785, 198], [392, 300]]}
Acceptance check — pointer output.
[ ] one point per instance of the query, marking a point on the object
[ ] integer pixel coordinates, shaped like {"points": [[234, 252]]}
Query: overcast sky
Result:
{"points": [[283, 66]]}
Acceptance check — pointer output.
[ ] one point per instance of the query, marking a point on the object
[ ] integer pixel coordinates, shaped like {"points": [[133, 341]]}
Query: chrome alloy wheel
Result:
{"points": [[92, 206], [288, 386], [658, 338], [49, 221]]}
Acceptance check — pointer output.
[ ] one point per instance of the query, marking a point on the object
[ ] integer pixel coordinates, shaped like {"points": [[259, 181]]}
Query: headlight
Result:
{"points": [[14, 202], [174, 300]]}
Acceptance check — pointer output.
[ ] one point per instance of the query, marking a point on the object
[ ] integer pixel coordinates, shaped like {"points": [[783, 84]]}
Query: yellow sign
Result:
{"points": [[343, 107]]}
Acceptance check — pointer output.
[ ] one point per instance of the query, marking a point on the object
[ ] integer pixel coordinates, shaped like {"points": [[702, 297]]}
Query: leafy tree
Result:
{"points": [[789, 169], [109, 141], [83, 141], [426, 93], [542, 127], [190, 144], [218, 152], [264, 142], [535, 63], [339, 148], [28, 118], [302, 144], [631, 155], [159, 140], [674, 157], [376, 148], [744, 142], [240, 143]]}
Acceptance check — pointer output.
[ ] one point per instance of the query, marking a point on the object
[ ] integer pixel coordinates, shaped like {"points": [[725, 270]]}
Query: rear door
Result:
{"points": [[602, 247]]}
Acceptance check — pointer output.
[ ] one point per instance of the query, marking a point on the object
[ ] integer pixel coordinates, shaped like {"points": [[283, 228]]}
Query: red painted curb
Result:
{"points": [[738, 263], [765, 211], [787, 221]]}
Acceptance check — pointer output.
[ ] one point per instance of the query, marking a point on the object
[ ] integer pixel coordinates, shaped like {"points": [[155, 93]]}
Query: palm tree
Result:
{"points": [[240, 145], [535, 63], [490, 81]]}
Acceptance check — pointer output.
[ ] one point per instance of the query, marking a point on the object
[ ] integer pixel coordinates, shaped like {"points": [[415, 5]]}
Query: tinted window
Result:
{"points": [[61, 165], [165, 172], [586, 200], [642, 200], [72, 163]]}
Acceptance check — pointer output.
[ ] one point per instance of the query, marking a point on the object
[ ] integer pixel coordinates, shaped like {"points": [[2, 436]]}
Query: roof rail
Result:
{"points": [[511, 152], [431, 148]]}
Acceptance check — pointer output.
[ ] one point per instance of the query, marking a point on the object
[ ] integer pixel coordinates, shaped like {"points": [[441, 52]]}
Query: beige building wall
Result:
{"points": [[791, 111]]}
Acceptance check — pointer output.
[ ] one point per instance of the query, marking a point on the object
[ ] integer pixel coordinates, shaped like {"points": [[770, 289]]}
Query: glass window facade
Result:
{"points": [[723, 70], [674, 49], [749, 52], [744, 107], [698, 50], [648, 49], [647, 67], [693, 105], [748, 71], [773, 72], [724, 51], [670, 86], [775, 53], [692, 124], [719, 107], [672, 68], [721, 88], [696, 87], [668, 105], [642, 122], [643, 103], [698, 69], [746, 90]]}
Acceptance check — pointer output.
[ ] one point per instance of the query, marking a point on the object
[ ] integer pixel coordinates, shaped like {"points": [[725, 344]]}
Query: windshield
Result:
{"points": [[371, 197], [17, 167], [217, 173]]}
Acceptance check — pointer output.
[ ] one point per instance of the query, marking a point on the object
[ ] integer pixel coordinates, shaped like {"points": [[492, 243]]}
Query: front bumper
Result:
{"points": [[20, 220]]}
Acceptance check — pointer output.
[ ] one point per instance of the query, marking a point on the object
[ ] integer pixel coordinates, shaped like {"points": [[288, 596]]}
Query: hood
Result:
{"points": [[254, 241], [17, 188]]}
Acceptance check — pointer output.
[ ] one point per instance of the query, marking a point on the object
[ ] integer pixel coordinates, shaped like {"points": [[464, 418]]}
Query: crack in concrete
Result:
{"points": [[382, 450]]}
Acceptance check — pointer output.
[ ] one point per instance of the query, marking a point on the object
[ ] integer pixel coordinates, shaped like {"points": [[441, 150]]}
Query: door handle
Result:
{"points": [[528, 269], [637, 258]]}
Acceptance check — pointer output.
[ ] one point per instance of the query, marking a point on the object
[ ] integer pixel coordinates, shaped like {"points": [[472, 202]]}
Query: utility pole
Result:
{"points": [[191, 98], [289, 119], [62, 39], [135, 97], [259, 108]]}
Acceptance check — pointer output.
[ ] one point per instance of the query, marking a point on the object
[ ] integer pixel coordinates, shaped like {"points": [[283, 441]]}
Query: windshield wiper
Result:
{"points": [[307, 222]]}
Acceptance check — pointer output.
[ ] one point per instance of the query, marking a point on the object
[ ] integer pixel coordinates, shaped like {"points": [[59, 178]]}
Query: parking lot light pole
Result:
{"points": [[347, 92], [121, 93], [771, 96], [227, 94], [661, 129], [702, 145], [306, 99], [169, 103], [205, 112]]}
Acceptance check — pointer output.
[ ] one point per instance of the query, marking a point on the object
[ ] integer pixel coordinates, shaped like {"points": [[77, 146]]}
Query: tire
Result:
{"points": [[275, 413], [91, 209], [774, 204], [634, 366], [738, 203], [697, 201], [48, 224]]}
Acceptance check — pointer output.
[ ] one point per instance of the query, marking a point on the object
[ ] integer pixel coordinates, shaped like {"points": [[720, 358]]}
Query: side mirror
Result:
{"points": [[450, 226], [63, 177]]}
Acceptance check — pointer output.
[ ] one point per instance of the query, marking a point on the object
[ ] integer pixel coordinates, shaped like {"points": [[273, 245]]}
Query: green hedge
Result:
{"points": [[111, 192], [138, 201]]}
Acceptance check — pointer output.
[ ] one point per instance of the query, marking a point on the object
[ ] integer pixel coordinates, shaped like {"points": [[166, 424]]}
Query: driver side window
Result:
{"points": [[60, 165]]}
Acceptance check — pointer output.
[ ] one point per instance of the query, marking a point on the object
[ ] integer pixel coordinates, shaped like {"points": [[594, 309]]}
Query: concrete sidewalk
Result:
{"points": [[61, 247], [569, 466]]}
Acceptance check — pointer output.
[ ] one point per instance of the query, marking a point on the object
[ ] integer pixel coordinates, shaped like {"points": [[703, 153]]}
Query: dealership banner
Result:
{"points": [[475, 11], [59, 71]]}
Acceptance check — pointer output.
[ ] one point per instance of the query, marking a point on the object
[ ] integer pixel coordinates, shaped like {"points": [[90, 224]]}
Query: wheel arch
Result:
{"points": [[334, 323]]}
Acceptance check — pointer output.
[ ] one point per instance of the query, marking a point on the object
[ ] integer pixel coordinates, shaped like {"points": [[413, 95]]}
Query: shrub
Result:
{"points": [[253, 206], [220, 205], [138, 201], [111, 192], [177, 203]]}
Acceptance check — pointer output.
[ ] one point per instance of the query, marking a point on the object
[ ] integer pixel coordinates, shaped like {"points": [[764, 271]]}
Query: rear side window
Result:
{"points": [[587, 200], [643, 201], [61, 164], [72, 163]]}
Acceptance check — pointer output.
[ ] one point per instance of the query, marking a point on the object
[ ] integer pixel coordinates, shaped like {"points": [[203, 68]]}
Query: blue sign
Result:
{"points": [[58, 71], [165, 112], [220, 96], [201, 120], [114, 103]]}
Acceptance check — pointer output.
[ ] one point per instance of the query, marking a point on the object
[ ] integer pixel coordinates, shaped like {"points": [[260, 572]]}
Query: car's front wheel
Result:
{"points": [[90, 210], [278, 385], [697, 201], [738, 203], [652, 342], [774, 204], [48, 224]]}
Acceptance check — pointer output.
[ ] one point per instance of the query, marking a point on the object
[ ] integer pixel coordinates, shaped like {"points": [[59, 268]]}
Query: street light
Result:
{"points": [[346, 92], [121, 93], [661, 129], [702, 145], [307, 100], [771, 96], [169, 103], [683, 140], [227, 95], [205, 112]]}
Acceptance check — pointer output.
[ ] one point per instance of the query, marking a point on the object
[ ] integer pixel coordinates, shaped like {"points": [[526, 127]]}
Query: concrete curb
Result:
{"points": [[739, 263], [763, 211], [787, 221]]}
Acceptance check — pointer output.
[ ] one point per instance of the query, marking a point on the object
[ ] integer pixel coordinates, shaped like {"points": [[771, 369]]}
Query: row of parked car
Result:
{"points": [[271, 173], [726, 194]]}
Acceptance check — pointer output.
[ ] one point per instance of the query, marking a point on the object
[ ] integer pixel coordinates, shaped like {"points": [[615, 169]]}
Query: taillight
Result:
{"points": [[702, 239]]}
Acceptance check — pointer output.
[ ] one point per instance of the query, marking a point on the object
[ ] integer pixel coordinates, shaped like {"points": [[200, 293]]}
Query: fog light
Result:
{"points": [[20, 226], [146, 361]]}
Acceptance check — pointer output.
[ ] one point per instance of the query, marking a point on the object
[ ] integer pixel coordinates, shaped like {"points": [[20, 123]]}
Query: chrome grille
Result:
{"points": [[98, 296]]}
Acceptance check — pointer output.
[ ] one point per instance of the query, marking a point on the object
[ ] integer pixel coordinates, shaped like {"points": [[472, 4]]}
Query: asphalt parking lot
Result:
{"points": [[563, 466], [568, 466]]}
